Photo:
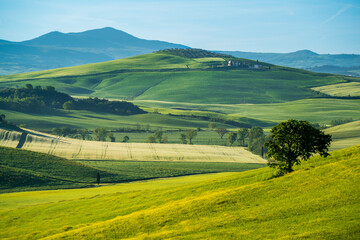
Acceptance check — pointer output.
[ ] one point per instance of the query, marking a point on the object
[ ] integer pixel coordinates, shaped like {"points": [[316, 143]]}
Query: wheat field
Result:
{"points": [[80, 149]]}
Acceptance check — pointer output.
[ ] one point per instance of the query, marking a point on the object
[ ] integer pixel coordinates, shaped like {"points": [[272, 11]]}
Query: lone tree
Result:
{"points": [[191, 134], [221, 132], [293, 141], [183, 138], [232, 138], [243, 134], [111, 136], [126, 139], [83, 133], [159, 135], [100, 134]]}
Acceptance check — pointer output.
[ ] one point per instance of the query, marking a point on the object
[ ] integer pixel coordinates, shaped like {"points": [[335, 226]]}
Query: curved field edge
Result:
{"points": [[79, 149], [318, 200]]}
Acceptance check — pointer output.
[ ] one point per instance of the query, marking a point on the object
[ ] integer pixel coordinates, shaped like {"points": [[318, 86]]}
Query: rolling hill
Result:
{"points": [[26, 170], [320, 200], [346, 64], [169, 77], [56, 49]]}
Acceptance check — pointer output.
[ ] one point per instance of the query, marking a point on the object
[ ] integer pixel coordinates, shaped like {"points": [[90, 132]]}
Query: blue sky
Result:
{"points": [[323, 26]]}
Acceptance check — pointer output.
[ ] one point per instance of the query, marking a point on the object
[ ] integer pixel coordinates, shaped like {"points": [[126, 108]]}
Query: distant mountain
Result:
{"points": [[349, 71], [305, 59], [56, 49]]}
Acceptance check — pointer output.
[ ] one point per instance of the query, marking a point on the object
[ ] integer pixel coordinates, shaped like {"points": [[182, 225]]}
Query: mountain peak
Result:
{"points": [[305, 52]]}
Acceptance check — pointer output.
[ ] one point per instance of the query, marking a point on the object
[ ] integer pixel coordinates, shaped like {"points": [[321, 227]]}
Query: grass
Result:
{"points": [[320, 200], [79, 149], [124, 171], [265, 115], [91, 120], [158, 76], [344, 135], [342, 90], [314, 110], [22, 170]]}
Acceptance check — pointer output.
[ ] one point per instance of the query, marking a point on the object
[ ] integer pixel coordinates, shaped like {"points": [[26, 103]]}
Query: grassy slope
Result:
{"points": [[314, 110], [22, 169], [344, 135], [319, 200], [342, 89], [171, 78], [91, 120]]}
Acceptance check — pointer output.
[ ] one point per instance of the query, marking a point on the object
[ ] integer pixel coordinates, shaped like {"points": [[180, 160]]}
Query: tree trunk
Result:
{"points": [[289, 168]]}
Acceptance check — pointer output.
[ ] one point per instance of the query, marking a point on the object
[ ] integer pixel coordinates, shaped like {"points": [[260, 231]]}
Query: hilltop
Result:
{"points": [[57, 49], [166, 76], [319, 200], [346, 64]]}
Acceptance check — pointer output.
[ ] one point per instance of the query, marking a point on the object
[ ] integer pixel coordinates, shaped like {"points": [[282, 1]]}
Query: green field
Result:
{"points": [[183, 90], [166, 77], [229, 193], [91, 120], [23, 170], [321, 110], [344, 135], [351, 89], [320, 200]]}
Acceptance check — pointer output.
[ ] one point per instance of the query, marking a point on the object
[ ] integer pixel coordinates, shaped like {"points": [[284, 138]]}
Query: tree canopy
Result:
{"points": [[293, 141], [38, 99]]}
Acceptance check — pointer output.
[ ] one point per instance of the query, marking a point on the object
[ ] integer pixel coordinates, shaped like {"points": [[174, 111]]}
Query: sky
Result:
{"points": [[322, 26]]}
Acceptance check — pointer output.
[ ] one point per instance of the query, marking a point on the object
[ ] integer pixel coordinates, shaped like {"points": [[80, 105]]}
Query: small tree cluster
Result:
{"points": [[188, 136], [255, 136], [340, 121], [221, 132], [157, 137], [256, 141], [64, 131]]}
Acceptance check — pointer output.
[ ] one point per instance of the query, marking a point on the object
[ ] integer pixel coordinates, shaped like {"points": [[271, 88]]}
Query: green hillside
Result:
{"points": [[25, 170], [168, 77], [344, 135], [320, 200], [322, 110]]}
